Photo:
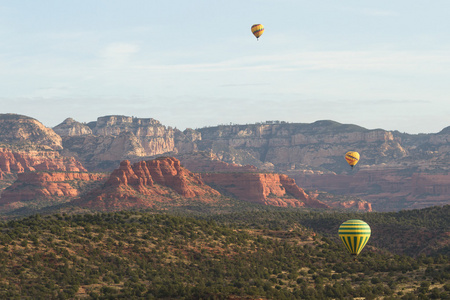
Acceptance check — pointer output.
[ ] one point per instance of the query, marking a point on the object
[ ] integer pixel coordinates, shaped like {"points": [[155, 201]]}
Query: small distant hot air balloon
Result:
{"points": [[352, 157], [354, 234], [257, 30]]}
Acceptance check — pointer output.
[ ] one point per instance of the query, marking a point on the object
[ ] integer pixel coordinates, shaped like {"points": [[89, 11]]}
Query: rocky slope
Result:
{"points": [[40, 189], [70, 127], [23, 131]]}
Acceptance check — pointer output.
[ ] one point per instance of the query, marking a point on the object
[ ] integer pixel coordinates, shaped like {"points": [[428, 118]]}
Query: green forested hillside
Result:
{"points": [[412, 232], [151, 255]]}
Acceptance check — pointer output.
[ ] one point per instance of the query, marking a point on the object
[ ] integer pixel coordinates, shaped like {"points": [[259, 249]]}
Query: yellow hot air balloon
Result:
{"points": [[354, 234], [352, 157], [257, 30]]}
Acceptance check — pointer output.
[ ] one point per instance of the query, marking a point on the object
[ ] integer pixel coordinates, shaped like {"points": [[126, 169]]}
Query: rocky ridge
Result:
{"points": [[314, 149], [273, 146]]}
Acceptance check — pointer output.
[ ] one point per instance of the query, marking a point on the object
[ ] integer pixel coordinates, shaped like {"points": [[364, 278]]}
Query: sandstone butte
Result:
{"points": [[148, 183]]}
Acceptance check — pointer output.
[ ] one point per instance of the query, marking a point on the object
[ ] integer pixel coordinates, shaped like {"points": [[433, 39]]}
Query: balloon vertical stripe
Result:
{"points": [[355, 235]]}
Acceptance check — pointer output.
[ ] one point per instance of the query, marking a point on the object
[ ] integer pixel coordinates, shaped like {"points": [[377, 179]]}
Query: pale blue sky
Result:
{"points": [[377, 64]]}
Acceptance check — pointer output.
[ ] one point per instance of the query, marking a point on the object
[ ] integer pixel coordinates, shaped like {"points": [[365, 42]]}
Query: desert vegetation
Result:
{"points": [[270, 255]]}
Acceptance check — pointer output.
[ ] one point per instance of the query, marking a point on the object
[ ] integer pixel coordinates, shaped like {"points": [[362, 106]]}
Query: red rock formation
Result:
{"points": [[163, 171], [251, 185], [35, 185], [145, 183], [263, 188], [22, 161]]}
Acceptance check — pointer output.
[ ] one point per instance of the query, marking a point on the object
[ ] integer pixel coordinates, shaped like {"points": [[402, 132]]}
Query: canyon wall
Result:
{"points": [[388, 189], [421, 161], [320, 145]]}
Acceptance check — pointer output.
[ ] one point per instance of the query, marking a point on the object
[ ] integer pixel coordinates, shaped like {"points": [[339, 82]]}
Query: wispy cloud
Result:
{"points": [[243, 84], [366, 61], [118, 54], [374, 12]]}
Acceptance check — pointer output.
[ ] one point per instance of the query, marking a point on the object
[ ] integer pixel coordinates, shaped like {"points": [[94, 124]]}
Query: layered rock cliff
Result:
{"points": [[279, 147], [272, 146], [209, 162], [103, 144], [320, 145], [388, 189], [263, 188], [36, 160]]}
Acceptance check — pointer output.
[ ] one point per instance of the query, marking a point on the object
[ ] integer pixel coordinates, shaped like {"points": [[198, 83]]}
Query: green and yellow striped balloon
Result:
{"points": [[354, 234]]}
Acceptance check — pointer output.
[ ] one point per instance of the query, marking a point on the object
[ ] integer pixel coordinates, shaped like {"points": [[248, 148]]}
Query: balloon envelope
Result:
{"points": [[354, 234], [257, 30], [352, 157]]}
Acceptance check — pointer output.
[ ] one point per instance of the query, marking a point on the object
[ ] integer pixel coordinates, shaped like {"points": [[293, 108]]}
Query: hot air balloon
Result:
{"points": [[354, 234], [352, 157], [257, 30]]}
